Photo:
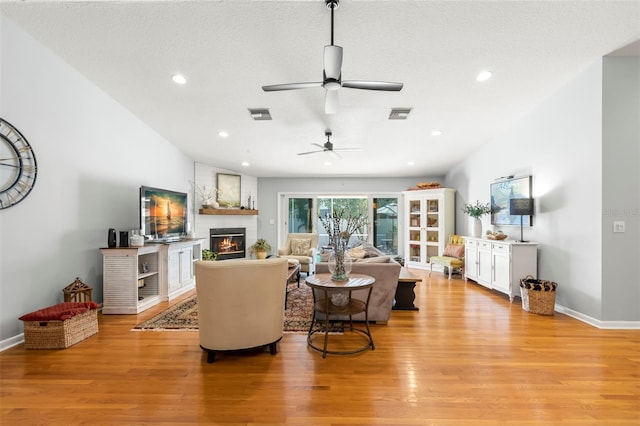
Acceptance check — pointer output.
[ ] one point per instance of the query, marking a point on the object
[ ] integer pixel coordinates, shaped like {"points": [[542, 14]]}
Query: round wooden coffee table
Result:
{"points": [[326, 306]]}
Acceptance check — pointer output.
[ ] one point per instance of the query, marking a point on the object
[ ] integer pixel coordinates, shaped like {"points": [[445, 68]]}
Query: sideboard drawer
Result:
{"points": [[500, 248], [485, 245]]}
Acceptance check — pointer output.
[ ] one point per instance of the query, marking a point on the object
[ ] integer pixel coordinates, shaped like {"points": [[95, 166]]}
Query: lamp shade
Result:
{"points": [[521, 206]]}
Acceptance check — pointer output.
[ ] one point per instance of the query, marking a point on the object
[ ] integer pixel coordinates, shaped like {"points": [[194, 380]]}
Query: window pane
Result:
{"points": [[300, 215], [385, 224], [356, 205]]}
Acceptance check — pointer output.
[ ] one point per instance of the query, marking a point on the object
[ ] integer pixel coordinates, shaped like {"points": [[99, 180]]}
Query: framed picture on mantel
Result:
{"points": [[229, 190], [501, 193]]}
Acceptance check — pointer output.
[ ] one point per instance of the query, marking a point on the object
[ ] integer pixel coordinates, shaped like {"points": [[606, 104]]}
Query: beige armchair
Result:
{"points": [[303, 247], [240, 304]]}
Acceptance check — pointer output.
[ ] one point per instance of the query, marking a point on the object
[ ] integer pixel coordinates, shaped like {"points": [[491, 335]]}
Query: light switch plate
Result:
{"points": [[618, 226]]}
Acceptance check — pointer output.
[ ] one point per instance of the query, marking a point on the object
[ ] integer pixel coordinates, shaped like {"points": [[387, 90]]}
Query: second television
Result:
{"points": [[163, 213]]}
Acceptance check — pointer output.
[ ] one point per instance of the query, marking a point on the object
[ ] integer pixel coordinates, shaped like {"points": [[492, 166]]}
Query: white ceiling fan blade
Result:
{"points": [[291, 86], [309, 152], [331, 102], [372, 85], [348, 149], [335, 153], [332, 62]]}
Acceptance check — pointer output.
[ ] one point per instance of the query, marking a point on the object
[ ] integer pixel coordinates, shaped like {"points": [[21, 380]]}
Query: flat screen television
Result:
{"points": [[163, 214], [501, 193]]}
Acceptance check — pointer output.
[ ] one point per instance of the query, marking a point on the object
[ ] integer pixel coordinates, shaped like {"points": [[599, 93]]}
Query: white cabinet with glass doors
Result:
{"points": [[430, 220]]}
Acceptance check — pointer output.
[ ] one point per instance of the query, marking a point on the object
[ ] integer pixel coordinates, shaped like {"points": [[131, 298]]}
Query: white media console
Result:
{"points": [[137, 278]]}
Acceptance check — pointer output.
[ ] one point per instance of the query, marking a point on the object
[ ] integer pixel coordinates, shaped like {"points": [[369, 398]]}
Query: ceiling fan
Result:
{"points": [[328, 147], [332, 75]]}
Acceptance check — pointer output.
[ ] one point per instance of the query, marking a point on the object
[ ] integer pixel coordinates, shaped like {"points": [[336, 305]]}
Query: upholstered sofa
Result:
{"points": [[240, 304], [302, 247], [386, 272]]}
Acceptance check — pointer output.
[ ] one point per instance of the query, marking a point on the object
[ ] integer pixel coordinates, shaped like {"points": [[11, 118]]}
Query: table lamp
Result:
{"points": [[522, 207]]}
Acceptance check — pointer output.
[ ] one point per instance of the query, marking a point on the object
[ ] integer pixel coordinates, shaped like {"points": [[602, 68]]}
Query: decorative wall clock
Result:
{"points": [[18, 168]]}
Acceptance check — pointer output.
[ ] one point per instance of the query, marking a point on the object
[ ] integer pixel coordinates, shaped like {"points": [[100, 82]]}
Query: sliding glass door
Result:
{"points": [[300, 213]]}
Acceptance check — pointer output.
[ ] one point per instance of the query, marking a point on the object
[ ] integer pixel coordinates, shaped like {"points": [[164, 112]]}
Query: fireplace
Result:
{"points": [[229, 243]]}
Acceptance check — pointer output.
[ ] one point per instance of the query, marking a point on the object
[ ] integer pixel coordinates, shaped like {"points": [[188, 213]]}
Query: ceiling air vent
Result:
{"points": [[399, 113], [260, 113]]}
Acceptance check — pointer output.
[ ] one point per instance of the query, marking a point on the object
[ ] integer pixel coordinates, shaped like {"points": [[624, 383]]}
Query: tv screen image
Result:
{"points": [[163, 213], [501, 194]]}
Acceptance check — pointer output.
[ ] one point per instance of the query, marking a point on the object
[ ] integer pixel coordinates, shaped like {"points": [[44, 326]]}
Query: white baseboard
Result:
{"points": [[605, 325], [11, 342]]}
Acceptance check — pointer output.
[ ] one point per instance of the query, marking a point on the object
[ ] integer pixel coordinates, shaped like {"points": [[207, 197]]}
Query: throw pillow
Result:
{"points": [[357, 252], [454, 250], [300, 247]]}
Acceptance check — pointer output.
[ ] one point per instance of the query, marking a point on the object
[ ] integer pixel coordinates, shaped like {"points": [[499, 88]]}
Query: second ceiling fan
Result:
{"points": [[328, 147], [332, 75]]}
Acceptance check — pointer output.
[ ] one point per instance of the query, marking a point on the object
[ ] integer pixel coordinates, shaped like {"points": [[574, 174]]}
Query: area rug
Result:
{"points": [[183, 316]]}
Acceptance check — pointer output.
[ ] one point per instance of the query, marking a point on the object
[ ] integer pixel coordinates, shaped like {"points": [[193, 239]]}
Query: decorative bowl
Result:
{"points": [[499, 237]]}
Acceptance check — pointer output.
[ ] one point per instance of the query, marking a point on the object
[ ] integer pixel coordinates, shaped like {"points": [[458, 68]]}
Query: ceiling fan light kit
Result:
{"points": [[332, 75]]}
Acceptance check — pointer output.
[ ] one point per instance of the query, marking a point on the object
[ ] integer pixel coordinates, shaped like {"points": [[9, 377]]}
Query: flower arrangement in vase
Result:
{"points": [[208, 195], [341, 226], [476, 211]]}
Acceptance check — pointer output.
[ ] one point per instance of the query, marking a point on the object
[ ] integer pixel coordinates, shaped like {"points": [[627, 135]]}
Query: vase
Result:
{"points": [[340, 265], [261, 255], [210, 204], [476, 227]]}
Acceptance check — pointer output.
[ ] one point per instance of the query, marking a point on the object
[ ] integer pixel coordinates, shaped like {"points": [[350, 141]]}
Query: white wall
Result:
{"points": [[207, 175], [621, 188], [560, 144], [92, 155]]}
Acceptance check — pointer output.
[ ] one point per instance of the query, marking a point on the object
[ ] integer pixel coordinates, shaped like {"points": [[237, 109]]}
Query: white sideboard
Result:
{"points": [[500, 265], [137, 278]]}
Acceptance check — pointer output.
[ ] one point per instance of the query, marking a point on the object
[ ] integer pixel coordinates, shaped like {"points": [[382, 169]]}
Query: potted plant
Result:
{"points": [[209, 255], [476, 211], [260, 248]]}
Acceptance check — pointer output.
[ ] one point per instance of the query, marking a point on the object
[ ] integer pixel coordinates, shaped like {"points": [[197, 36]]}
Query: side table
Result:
{"points": [[405, 294], [324, 305]]}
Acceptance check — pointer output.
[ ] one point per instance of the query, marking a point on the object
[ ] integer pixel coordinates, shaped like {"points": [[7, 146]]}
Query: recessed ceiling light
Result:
{"points": [[328, 163], [436, 132], [411, 163], [223, 134], [484, 75], [245, 163], [179, 79]]}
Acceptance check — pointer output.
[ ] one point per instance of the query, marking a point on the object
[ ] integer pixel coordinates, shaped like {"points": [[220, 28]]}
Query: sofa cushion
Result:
{"points": [[300, 247], [454, 250]]}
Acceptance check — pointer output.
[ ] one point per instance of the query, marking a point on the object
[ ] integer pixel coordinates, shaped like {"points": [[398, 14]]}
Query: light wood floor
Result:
{"points": [[467, 357]]}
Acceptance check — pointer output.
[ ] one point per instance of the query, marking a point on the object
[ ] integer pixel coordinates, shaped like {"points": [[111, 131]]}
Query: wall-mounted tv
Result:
{"points": [[163, 213], [501, 193]]}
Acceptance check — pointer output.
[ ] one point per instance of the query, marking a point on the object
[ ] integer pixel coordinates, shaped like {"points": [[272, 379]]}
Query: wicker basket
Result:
{"points": [[538, 296], [60, 334]]}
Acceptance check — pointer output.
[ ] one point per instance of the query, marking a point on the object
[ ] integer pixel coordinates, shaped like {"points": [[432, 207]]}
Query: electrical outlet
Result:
{"points": [[618, 226]]}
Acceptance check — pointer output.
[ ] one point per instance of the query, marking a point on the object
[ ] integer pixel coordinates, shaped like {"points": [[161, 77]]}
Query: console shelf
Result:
{"points": [[229, 211]]}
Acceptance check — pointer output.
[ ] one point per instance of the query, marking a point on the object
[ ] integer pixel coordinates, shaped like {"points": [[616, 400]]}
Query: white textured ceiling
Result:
{"points": [[228, 49]]}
